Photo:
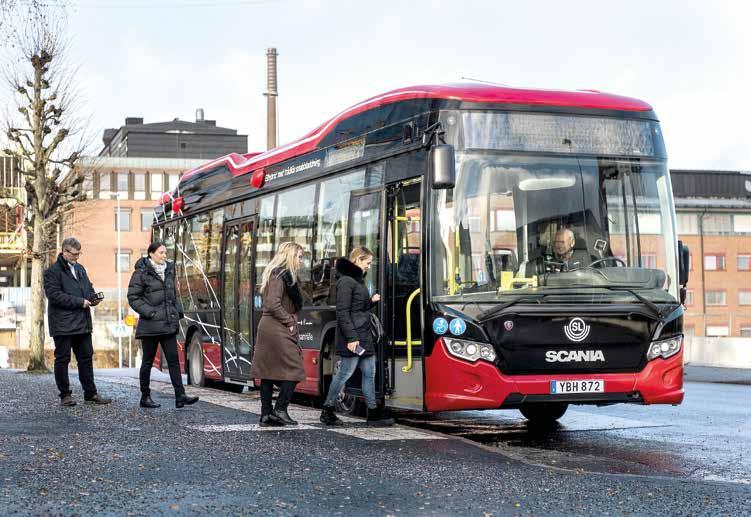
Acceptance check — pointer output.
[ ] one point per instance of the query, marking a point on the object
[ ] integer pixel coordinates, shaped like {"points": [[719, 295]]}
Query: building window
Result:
{"points": [[122, 183], [717, 330], [173, 181], [714, 262], [649, 261], [88, 185], [716, 298], [717, 224], [156, 184], [744, 262], [649, 224], [688, 223], [147, 219], [122, 220], [502, 221], [105, 185], [742, 223], [745, 331], [122, 261], [139, 185], [744, 297], [689, 297]]}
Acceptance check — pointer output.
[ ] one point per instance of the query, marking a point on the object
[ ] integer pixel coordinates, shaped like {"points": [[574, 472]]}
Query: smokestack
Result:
{"points": [[271, 94]]}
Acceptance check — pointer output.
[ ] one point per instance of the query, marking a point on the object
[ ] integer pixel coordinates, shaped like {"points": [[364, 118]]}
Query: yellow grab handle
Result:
{"points": [[408, 367]]}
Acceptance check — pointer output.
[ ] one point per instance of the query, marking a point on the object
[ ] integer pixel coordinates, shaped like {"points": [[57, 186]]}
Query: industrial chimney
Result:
{"points": [[271, 94]]}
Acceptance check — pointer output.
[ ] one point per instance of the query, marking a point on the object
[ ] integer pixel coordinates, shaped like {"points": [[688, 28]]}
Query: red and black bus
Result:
{"points": [[464, 192]]}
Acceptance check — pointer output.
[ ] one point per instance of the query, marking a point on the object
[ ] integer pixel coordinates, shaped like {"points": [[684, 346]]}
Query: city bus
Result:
{"points": [[462, 192]]}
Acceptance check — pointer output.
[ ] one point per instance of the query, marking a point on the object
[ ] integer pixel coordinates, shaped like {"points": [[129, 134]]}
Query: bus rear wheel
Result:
{"points": [[544, 413]]}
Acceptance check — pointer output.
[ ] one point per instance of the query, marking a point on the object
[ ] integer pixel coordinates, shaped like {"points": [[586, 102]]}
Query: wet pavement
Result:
{"points": [[708, 437], [213, 458]]}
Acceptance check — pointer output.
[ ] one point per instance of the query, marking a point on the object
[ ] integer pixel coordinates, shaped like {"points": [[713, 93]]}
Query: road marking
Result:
{"points": [[234, 428], [305, 416]]}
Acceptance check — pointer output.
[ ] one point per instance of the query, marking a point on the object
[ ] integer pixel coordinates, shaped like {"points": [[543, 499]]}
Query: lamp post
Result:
{"points": [[119, 286]]}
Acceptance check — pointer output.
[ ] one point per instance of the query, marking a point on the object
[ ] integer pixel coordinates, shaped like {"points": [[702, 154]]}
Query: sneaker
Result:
{"points": [[98, 400], [67, 400]]}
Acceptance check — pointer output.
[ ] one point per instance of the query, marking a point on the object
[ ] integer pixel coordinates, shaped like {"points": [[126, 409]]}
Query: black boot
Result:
{"points": [[328, 416], [282, 415], [184, 400], [270, 420], [148, 403], [377, 418]]}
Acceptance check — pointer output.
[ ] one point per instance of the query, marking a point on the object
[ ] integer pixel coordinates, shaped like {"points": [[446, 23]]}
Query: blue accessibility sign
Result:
{"points": [[440, 326], [457, 326]]}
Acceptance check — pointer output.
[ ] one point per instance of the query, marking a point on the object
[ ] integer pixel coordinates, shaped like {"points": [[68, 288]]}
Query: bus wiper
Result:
{"points": [[657, 313], [500, 308]]}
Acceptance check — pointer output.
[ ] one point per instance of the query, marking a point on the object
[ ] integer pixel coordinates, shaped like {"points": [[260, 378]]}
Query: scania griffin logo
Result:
{"points": [[578, 356], [576, 330]]}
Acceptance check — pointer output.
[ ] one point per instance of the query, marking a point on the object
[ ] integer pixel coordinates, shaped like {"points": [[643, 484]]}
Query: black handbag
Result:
{"points": [[376, 329]]}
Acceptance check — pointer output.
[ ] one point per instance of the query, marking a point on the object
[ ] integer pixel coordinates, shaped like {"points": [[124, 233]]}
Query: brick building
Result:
{"points": [[132, 184], [714, 220]]}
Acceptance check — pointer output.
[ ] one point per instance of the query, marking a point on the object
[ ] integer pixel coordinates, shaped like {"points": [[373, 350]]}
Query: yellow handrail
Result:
{"points": [[408, 367]]}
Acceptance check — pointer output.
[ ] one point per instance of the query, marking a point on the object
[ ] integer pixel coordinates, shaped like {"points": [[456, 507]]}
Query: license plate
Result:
{"points": [[588, 386]]}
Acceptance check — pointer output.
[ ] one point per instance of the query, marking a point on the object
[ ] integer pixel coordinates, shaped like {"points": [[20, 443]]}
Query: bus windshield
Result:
{"points": [[520, 223]]}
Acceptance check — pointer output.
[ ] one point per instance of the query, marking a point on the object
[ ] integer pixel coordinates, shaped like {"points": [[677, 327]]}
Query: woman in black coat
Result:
{"points": [[151, 293], [354, 340]]}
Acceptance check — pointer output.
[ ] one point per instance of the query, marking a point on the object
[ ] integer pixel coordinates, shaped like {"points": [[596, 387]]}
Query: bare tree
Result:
{"points": [[16, 14], [46, 138]]}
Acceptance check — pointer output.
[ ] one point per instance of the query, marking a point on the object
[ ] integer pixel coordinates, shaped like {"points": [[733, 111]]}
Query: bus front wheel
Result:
{"points": [[196, 375], [546, 412]]}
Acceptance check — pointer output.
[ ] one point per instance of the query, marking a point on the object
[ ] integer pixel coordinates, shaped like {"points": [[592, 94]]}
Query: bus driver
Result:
{"points": [[563, 248]]}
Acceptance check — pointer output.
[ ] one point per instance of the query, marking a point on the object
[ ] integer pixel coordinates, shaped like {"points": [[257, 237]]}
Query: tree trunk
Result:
{"points": [[38, 263]]}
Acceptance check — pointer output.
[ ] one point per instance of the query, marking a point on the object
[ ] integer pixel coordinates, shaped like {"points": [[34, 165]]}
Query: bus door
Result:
{"points": [[403, 298], [364, 229], [237, 299]]}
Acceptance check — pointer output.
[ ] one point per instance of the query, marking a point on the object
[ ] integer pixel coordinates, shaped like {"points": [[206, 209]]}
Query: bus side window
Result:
{"points": [[295, 218], [332, 215]]}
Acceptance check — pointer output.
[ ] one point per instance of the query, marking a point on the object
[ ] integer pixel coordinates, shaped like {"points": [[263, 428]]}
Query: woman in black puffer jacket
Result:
{"points": [[151, 293], [354, 339]]}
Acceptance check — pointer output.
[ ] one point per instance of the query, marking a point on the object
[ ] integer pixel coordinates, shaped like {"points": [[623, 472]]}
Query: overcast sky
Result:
{"points": [[161, 59]]}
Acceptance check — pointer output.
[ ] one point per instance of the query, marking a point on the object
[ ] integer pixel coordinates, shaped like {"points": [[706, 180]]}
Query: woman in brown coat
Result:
{"points": [[277, 358]]}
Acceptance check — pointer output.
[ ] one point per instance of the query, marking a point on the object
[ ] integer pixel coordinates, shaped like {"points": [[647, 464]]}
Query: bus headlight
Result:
{"points": [[664, 348], [470, 350]]}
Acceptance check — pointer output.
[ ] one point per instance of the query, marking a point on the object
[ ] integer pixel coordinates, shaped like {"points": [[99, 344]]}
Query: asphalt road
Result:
{"points": [[212, 458]]}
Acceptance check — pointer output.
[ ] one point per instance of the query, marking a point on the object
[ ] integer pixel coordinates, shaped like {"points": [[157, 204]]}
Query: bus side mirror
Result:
{"points": [[442, 161], [683, 263]]}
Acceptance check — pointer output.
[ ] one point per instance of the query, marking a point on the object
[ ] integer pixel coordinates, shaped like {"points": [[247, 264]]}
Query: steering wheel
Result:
{"points": [[608, 259]]}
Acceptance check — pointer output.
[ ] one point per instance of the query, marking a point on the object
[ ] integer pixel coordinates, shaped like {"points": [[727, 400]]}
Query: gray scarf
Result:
{"points": [[160, 269]]}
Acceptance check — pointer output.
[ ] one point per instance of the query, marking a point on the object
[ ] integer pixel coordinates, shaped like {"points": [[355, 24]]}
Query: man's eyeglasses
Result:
{"points": [[73, 253]]}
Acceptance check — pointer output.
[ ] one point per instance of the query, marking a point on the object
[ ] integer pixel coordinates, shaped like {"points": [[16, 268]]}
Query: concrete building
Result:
{"points": [[201, 139], [714, 220]]}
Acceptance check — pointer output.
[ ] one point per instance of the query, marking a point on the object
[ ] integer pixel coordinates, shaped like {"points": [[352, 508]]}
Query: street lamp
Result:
{"points": [[119, 285]]}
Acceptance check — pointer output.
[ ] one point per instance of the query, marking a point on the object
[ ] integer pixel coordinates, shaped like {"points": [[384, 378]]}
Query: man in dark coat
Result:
{"points": [[70, 296]]}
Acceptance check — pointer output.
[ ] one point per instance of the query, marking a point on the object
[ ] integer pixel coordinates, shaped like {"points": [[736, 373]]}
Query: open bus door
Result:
{"points": [[237, 299], [364, 229], [402, 298]]}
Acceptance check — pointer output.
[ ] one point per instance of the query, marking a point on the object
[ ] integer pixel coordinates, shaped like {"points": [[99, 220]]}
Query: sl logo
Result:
{"points": [[576, 330]]}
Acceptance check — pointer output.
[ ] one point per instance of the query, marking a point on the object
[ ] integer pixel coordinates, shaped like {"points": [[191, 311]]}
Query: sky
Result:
{"points": [[162, 59]]}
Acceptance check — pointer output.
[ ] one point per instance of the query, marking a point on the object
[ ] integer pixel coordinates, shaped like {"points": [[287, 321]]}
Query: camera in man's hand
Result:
{"points": [[98, 297]]}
